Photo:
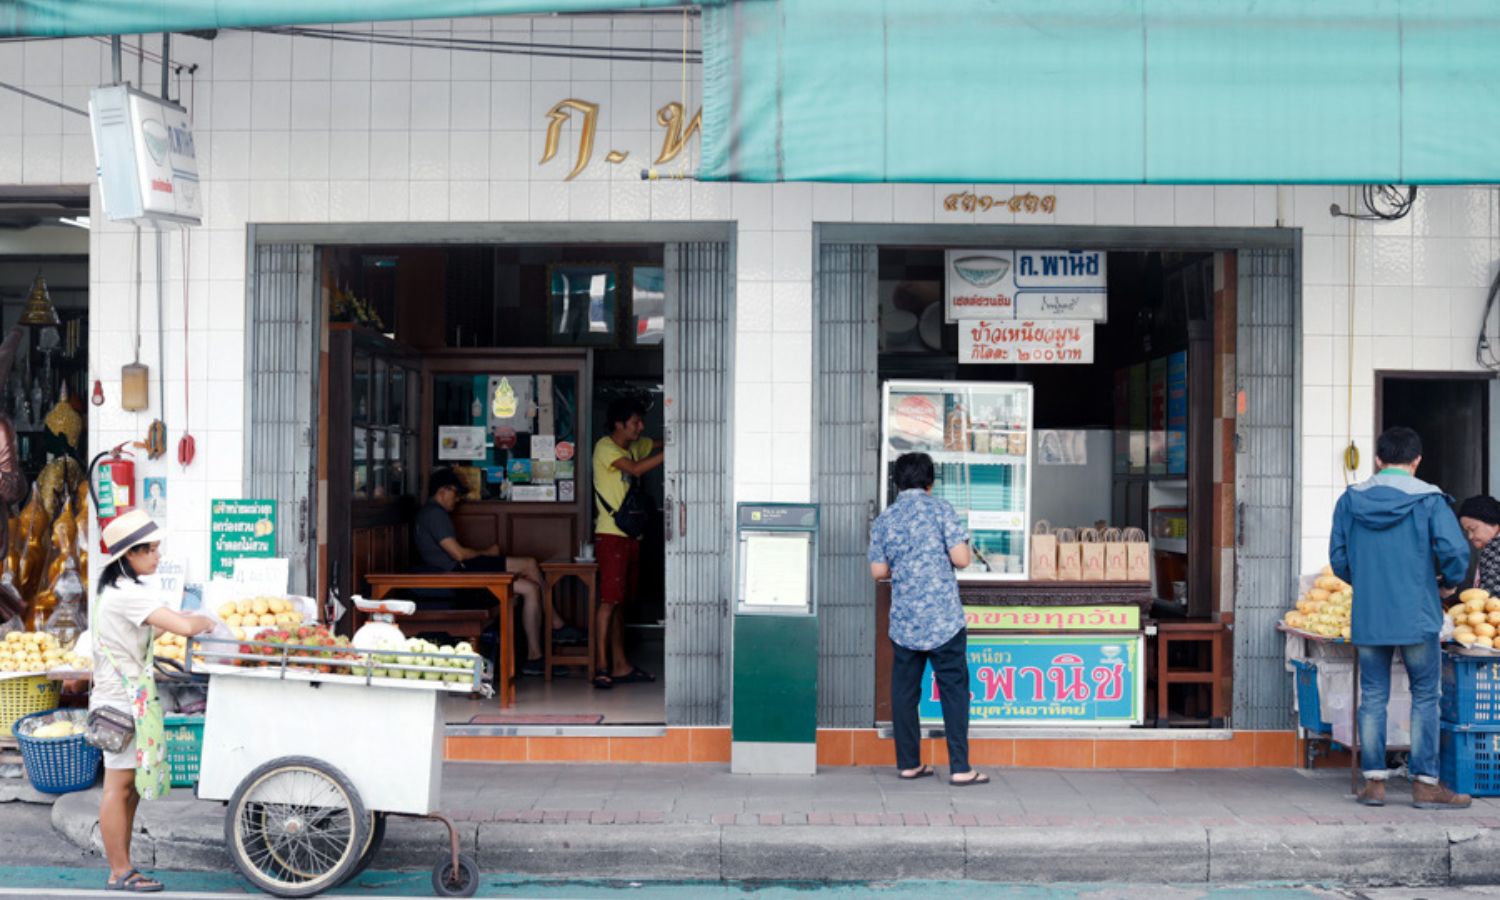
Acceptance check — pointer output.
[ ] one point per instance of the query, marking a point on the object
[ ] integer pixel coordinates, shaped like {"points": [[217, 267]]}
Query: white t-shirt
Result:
{"points": [[119, 626]]}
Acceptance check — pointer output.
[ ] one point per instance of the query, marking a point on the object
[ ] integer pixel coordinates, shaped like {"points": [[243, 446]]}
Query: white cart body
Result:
{"points": [[387, 737]]}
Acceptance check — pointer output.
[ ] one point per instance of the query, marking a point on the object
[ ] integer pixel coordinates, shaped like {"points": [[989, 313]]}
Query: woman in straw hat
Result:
{"points": [[126, 611]]}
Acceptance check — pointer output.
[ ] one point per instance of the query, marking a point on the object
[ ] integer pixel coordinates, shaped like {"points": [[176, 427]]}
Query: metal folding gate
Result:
{"points": [[281, 345], [1267, 466], [846, 411], [698, 516]]}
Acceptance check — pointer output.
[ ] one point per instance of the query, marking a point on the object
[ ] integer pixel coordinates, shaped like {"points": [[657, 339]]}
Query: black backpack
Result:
{"points": [[634, 514]]}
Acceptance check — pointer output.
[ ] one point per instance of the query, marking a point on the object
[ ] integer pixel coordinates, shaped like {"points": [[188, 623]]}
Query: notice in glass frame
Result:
{"points": [[582, 305]]}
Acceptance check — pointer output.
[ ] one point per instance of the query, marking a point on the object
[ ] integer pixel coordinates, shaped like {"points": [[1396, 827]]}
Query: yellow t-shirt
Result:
{"points": [[610, 482]]}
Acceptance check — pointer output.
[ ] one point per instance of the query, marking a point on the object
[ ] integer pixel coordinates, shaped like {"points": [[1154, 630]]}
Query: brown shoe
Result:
{"points": [[1372, 794], [1437, 796]]}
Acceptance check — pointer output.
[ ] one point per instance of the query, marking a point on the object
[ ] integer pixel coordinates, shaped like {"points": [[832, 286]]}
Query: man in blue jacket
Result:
{"points": [[1391, 533]]}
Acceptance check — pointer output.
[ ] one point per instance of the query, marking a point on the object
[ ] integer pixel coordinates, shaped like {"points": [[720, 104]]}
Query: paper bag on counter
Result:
{"points": [[1137, 555], [1116, 560], [1092, 551], [1069, 555], [1043, 553]]}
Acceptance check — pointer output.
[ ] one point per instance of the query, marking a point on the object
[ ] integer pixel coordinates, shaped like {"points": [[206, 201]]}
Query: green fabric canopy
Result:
{"points": [[77, 18], [1179, 91]]}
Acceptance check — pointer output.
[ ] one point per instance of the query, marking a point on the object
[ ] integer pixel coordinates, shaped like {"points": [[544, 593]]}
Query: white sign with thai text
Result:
{"points": [[1026, 284], [1022, 341]]}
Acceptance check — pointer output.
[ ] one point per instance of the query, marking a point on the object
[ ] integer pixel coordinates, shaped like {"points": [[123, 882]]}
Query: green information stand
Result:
{"points": [[775, 726]]}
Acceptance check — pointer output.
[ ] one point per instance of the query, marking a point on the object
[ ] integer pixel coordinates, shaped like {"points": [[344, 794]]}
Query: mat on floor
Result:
{"points": [[517, 718]]}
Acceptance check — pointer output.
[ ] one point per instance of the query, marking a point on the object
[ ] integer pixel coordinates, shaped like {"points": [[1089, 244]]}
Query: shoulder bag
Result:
{"points": [[634, 515], [153, 775]]}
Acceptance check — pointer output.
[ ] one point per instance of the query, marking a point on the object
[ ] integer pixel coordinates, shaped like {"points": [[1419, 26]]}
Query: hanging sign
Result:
{"points": [[1023, 341], [240, 529], [1051, 680], [1026, 284], [1052, 618]]}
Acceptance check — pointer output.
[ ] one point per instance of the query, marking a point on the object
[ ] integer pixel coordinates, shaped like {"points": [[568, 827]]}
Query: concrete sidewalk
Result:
{"points": [[850, 824]]}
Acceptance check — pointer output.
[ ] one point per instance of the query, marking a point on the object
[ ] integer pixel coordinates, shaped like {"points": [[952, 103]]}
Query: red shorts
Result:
{"points": [[619, 566]]}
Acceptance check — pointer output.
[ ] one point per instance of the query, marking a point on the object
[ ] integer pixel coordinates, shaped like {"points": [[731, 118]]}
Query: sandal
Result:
{"points": [[134, 882], [979, 778], [636, 675], [918, 772], [602, 681]]}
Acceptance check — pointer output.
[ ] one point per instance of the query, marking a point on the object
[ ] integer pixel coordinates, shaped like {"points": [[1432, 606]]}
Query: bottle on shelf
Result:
{"points": [[956, 429]]}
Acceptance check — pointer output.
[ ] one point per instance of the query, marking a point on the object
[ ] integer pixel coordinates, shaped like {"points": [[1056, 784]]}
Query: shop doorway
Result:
{"points": [[1452, 414]]}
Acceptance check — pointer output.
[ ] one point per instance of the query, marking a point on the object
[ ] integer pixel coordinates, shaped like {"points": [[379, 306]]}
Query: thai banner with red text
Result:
{"points": [[1043, 679]]}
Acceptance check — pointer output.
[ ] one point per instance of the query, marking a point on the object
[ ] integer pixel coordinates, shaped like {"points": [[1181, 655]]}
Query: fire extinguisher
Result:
{"points": [[114, 490]]}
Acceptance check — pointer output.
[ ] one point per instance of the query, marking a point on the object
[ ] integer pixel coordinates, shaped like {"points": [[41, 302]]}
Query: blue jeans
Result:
{"points": [[1424, 666]]}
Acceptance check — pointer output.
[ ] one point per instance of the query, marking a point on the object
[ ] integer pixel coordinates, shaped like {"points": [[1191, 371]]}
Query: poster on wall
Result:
{"points": [[1012, 342], [1049, 680], [1177, 413], [463, 442], [154, 492], [240, 529], [1026, 284], [1060, 447]]}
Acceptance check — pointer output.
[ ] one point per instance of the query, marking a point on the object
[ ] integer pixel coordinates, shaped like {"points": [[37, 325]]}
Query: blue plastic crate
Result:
{"points": [[1471, 760], [1309, 703], [1471, 690]]}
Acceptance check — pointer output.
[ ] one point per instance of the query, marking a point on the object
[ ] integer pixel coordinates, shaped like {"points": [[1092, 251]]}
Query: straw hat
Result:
{"points": [[128, 532]]}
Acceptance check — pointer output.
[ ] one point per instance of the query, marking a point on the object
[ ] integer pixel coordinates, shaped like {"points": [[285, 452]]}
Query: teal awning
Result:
{"points": [[76, 18], [1179, 91]]}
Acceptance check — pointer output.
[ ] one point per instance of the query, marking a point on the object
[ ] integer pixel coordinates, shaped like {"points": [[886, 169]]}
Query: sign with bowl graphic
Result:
{"points": [[1026, 284]]}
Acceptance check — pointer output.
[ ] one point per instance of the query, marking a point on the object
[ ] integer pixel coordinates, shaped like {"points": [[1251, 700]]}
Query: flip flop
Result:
{"points": [[919, 772], [134, 882], [602, 681], [979, 778], [636, 675]]}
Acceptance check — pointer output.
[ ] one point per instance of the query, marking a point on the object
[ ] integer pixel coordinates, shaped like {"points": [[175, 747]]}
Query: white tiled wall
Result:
{"points": [[302, 130]]}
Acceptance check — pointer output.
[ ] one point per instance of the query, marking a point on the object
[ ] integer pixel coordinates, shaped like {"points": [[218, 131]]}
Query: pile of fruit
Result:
{"points": [[172, 646], [63, 728], [1476, 618], [1325, 609], [316, 649], [259, 612], [458, 659], [36, 651]]}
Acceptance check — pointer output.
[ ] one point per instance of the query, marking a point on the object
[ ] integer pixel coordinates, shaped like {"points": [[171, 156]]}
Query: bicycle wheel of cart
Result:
{"points": [[460, 882], [372, 845], [296, 827]]}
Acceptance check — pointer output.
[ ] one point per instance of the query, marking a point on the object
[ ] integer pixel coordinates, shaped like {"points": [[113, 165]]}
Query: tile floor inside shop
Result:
{"points": [[571, 699]]}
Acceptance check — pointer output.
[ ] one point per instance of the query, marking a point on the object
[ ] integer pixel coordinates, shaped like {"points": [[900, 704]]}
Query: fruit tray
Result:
{"points": [[457, 673]]}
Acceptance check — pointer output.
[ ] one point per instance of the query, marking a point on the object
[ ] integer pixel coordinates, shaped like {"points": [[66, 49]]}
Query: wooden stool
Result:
{"points": [[556, 573], [1216, 676]]}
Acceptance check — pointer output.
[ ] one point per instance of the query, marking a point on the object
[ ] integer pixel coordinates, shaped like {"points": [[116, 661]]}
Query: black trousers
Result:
{"points": [[950, 666]]}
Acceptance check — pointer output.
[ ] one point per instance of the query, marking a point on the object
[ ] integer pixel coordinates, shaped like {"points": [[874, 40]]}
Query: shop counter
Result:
{"points": [[1054, 653]]}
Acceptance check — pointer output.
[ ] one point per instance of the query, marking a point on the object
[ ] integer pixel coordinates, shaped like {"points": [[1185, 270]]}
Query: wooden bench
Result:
{"points": [[464, 624]]}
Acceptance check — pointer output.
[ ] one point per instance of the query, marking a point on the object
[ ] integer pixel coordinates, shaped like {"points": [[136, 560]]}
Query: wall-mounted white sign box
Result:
{"points": [[147, 164]]}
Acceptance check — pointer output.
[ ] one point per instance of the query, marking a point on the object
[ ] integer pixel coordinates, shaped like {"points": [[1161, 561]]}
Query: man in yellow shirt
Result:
{"points": [[619, 460]]}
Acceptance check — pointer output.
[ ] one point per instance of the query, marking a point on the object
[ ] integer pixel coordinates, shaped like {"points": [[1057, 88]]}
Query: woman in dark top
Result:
{"points": [[1480, 518]]}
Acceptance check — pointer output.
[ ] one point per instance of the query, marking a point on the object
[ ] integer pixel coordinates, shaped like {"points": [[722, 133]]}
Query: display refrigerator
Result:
{"points": [[978, 434]]}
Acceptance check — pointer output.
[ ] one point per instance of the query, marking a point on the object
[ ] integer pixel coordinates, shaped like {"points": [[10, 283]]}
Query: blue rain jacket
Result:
{"points": [[1394, 536]]}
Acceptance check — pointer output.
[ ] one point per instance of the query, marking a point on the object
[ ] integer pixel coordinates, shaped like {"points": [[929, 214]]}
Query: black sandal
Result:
{"points": [[979, 778], [919, 772], [134, 882], [602, 681]]}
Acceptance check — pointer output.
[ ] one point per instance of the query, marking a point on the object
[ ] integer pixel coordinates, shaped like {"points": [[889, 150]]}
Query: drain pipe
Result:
{"points": [[114, 58], [166, 55]]}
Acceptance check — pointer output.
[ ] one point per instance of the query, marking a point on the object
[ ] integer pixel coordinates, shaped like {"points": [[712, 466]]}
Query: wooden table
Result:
{"points": [[461, 622], [556, 573]]}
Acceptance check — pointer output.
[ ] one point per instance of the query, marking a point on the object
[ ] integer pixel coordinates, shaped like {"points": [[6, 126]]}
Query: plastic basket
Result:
{"points": [[20, 697], [1471, 690], [1471, 760], [184, 748], [1309, 702], [57, 765]]}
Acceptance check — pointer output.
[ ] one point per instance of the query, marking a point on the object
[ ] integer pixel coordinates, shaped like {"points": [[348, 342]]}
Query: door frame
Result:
{"points": [[1382, 375]]}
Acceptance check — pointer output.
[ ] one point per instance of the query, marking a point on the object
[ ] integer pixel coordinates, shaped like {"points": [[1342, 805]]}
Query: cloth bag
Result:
{"points": [[1091, 550], [1116, 556], [1069, 555], [153, 774], [1043, 552], [1137, 555]]}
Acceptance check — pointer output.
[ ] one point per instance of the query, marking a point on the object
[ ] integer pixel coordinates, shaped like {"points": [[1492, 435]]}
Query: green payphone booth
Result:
{"points": [[775, 724]]}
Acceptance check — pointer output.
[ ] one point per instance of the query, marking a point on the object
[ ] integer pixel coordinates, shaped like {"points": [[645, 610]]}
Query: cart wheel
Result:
{"points": [[296, 827], [448, 883], [372, 845]]}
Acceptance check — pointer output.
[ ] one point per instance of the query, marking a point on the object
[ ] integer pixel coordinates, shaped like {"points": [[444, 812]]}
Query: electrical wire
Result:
{"points": [[475, 45], [47, 100], [1487, 350], [1382, 202]]}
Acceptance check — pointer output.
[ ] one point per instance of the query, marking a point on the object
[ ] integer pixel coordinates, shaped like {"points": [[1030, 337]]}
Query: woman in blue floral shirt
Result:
{"points": [[917, 543]]}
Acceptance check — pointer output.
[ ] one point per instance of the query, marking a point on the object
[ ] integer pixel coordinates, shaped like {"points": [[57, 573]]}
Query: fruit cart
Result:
{"points": [[313, 747]]}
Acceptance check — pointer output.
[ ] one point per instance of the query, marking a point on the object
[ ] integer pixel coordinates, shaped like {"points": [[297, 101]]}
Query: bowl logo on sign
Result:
{"points": [[981, 271], [1110, 651], [155, 136]]}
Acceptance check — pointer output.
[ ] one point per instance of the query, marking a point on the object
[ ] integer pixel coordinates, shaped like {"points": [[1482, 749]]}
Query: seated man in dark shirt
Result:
{"points": [[438, 546]]}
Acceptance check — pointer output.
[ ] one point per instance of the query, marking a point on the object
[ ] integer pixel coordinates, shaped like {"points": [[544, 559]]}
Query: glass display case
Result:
{"points": [[978, 434], [512, 436]]}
